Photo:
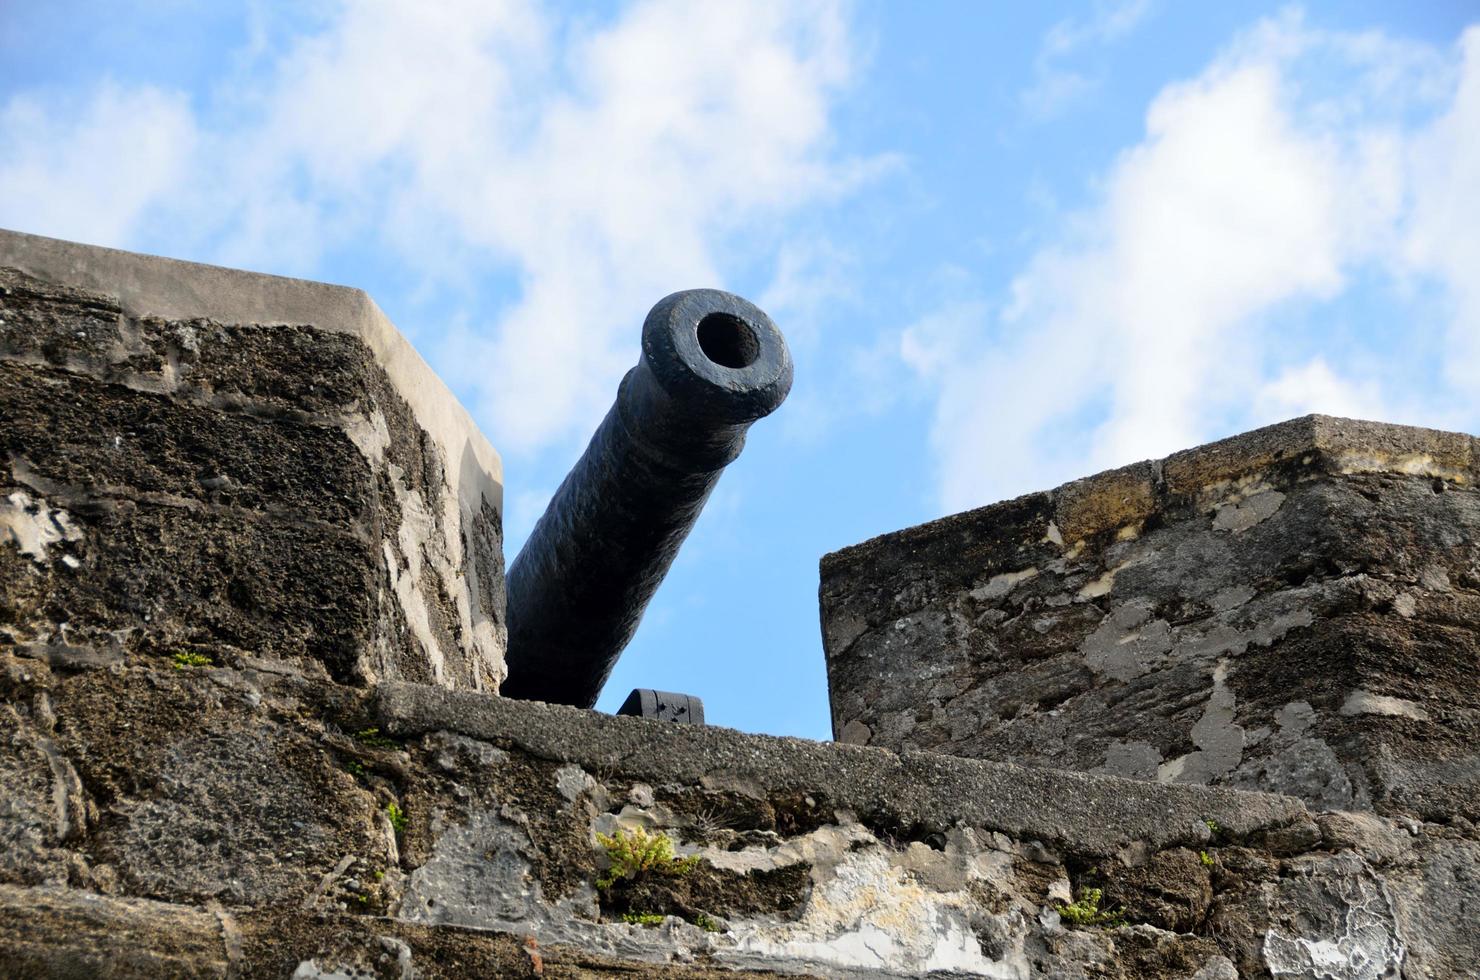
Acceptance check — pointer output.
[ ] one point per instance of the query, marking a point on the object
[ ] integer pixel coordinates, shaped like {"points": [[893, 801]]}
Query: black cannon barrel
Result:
{"points": [[711, 365]]}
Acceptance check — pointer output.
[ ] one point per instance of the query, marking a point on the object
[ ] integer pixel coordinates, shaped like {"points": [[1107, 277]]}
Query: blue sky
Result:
{"points": [[1010, 244]]}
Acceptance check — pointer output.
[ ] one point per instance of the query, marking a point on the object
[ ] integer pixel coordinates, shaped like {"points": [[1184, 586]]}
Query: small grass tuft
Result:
{"points": [[396, 815], [1087, 912], [1205, 858], [373, 738], [185, 659], [642, 918], [706, 923], [636, 853]]}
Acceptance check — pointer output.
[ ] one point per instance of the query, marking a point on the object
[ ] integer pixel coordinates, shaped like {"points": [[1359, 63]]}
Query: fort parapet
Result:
{"points": [[1294, 610]]}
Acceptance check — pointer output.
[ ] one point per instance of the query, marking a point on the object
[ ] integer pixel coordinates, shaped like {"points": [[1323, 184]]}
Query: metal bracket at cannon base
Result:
{"points": [[664, 706]]}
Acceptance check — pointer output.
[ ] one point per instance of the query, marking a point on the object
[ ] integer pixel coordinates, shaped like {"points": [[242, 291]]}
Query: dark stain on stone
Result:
{"points": [[801, 813], [713, 812], [1172, 890], [196, 794], [485, 537], [707, 890], [108, 440], [1146, 955]]}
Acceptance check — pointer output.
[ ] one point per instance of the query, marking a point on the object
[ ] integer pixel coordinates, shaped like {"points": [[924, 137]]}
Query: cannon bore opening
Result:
{"points": [[728, 341]]}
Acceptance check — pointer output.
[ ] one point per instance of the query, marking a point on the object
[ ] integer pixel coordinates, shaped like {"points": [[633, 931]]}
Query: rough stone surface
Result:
{"points": [[258, 821], [1292, 610], [237, 490], [50, 932]]}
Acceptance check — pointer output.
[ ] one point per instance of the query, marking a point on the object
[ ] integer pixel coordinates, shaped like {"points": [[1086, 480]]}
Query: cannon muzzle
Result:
{"points": [[711, 365]]}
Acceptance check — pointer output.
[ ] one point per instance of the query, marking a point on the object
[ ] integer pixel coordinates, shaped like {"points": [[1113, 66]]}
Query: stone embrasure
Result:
{"points": [[255, 821], [203, 462], [1292, 610]]}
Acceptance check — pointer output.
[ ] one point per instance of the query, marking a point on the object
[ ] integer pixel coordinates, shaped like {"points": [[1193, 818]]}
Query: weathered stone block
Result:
{"points": [[1295, 610], [202, 459]]}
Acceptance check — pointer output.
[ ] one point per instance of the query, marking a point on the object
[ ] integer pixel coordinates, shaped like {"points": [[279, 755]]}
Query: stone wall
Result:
{"points": [[198, 462], [240, 822], [1293, 610]]}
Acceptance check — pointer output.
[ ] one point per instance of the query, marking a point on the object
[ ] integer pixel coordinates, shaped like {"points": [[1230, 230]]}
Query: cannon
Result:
{"points": [[711, 364]]}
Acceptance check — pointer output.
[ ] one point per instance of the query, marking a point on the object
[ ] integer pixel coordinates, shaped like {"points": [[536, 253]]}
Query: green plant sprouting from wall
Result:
{"points": [[1086, 910], [185, 659], [373, 738], [396, 815], [636, 853], [643, 918]]}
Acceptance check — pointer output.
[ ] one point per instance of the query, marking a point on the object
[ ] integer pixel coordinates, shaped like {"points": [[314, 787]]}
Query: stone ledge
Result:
{"points": [[1093, 816], [1122, 497]]}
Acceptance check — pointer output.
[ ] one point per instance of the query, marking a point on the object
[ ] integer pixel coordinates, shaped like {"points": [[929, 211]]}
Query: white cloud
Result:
{"points": [[601, 163], [91, 169], [1443, 231], [1148, 326], [931, 344], [1054, 90], [1055, 86], [1109, 20], [662, 148], [1315, 387]]}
